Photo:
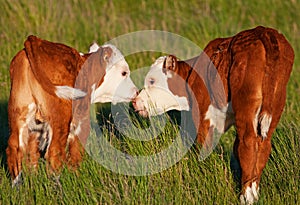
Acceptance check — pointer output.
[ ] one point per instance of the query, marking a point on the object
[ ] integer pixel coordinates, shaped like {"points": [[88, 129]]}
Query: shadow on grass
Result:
{"points": [[4, 132], [113, 119], [106, 120]]}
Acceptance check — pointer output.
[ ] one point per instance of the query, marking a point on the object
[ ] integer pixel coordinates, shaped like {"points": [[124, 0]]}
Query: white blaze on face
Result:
{"points": [[117, 85], [156, 97]]}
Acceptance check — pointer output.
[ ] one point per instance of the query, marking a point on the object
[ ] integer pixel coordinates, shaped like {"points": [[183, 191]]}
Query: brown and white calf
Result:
{"points": [[241, 81], [52, 86]]}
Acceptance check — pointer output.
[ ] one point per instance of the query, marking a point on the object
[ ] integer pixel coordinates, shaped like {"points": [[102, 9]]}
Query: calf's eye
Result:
{"points": [[124, 73], [151, 81]]}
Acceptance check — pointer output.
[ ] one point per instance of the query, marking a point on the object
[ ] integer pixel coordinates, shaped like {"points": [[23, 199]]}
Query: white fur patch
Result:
{"points": [[216, 117], [158, 64], [78, 129], [255, 120], [69, 93], [251, 194], [265, 122], [220, 119], [93, 93], [23, 137], [157, 100], [93, 48], [70, 137], [17, 180], [74, 131], [262, 121]]}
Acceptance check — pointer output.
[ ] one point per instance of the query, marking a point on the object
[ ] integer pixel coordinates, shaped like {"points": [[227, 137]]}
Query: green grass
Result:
{"points": [[78, 24]]}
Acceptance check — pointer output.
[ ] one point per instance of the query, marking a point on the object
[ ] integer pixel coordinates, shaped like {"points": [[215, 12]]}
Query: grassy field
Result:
{"points": [[78, 24]]}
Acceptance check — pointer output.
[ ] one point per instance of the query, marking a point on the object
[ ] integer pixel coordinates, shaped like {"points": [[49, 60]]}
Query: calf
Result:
{"points": [[52, 86], [241, 81]]}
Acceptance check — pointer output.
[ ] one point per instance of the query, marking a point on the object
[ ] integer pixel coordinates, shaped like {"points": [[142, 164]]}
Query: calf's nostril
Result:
{"points": [[134, 104]]}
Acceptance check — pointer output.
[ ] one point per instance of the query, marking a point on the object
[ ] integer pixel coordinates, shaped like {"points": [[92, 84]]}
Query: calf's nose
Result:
{"points": [[136, 92], [134, 103]]}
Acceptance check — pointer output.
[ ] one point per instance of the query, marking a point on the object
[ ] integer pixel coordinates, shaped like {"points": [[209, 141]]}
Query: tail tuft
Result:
{"points": [[69, 93]]}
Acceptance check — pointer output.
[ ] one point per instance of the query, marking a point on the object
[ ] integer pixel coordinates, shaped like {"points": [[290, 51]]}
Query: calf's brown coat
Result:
{"points": [[249, 70], [37, 116]]}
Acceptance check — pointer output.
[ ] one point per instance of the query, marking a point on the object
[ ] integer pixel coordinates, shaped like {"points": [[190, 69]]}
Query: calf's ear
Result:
{"points": [[171, 63], [93, 47], [107, 53]]}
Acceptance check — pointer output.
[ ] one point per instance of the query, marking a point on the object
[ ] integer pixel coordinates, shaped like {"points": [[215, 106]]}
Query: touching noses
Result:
{"points": [[135, 99], [136, 92]]}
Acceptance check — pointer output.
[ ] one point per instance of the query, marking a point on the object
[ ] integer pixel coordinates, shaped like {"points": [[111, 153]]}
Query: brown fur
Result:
{"points": [[253, 67], [34, 72]]}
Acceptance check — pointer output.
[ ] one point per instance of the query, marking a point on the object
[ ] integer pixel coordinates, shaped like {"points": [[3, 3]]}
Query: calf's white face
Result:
{"points": [[156, 97], [117, 85]]}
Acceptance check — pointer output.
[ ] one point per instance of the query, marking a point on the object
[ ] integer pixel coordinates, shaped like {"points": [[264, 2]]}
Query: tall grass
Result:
{"points": [[190, 181]]}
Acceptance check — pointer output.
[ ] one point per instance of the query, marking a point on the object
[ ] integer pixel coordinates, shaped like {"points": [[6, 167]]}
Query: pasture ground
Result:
{"points": [[78, 24]]}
